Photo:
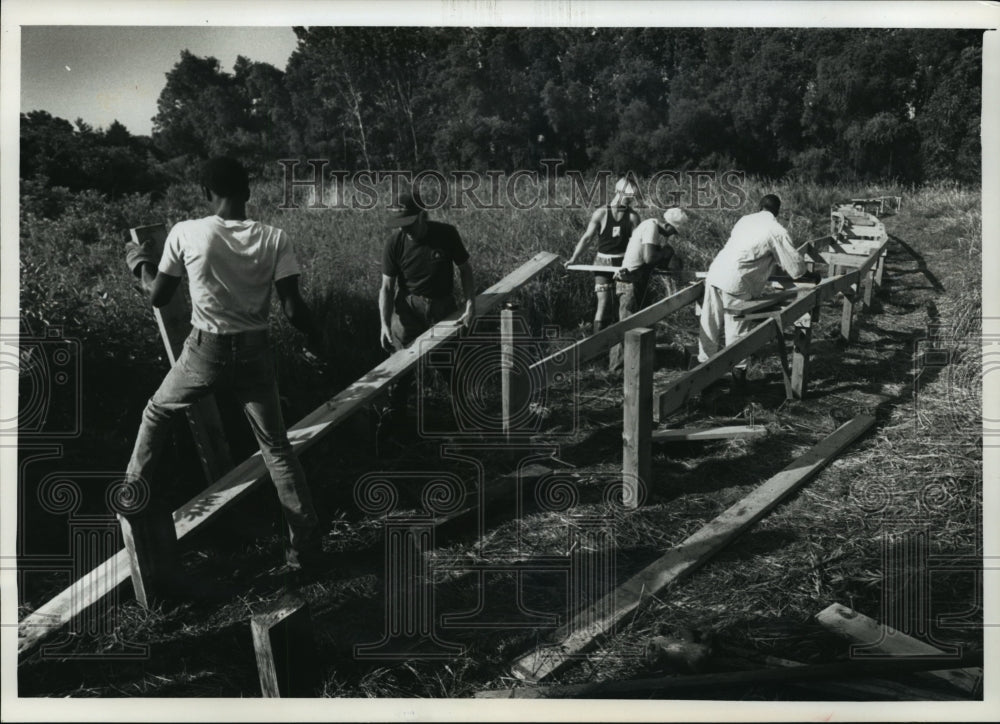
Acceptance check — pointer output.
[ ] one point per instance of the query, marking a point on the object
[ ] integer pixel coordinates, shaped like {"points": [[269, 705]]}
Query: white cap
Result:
{"points": [[676, 218], [624, 189]]}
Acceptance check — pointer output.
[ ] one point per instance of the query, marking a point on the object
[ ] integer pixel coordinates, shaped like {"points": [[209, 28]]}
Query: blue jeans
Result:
{"points": [[412, 316], [243, 364]]}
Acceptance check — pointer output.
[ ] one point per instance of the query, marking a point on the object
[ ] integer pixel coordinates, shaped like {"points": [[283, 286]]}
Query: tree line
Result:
{"points": [[826, 105]]}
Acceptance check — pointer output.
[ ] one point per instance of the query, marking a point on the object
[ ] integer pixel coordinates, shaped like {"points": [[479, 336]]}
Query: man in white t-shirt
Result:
{"points": [[739, 272], [232, 263], [647, 249]]}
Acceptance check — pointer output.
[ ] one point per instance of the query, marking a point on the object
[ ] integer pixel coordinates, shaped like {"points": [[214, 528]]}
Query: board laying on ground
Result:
{"points": [[662, 686], [237, 483], [732, 432], [584, 631], [887, 644]]}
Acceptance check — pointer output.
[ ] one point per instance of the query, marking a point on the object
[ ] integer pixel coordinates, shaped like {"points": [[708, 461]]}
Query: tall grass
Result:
{"points": [[73, 274]]}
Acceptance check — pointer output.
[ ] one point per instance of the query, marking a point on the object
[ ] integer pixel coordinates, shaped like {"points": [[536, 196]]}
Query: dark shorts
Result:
{"points": [[604, 281]]}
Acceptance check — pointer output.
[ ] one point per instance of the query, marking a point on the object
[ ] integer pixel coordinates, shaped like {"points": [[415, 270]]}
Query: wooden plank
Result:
{"points": [[690, 384], [238, 482], [174, 322], [586, 629], [567, 360], [637, 409], [876, 638], [730, 432], [660, 686], [285, 649]]}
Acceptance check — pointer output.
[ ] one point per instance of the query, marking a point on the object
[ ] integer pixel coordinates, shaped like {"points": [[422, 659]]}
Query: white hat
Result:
{"points": [[676, 218], [624, 189]]}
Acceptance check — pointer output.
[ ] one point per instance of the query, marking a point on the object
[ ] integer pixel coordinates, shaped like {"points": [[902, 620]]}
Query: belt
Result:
{"points": [[234, 339]]}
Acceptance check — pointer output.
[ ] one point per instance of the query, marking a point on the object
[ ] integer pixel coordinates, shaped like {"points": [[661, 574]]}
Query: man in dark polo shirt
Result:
{"points": [[417, 283]]}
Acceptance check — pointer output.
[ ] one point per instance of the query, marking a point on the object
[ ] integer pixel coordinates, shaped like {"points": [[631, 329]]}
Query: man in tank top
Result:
{"points": [[612, 226]]}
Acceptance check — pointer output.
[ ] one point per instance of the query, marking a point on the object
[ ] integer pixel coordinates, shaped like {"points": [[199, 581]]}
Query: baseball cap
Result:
{"points": [[405, 210], [676, 218], [624, 189]]}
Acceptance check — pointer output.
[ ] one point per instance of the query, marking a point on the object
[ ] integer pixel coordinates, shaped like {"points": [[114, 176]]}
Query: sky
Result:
{"points": [[103, 74]]}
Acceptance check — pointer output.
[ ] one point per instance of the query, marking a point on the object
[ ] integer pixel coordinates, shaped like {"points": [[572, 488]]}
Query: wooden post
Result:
{"points": [[640, 345], [513, 382], [880, 268], [786, 370], [800, 353], [847, 315], [151, 545], [284, 645], [868, 286], [173, 319]]}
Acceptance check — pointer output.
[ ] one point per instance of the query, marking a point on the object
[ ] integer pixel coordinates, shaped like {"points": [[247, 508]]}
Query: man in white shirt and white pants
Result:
{"points": [[739, 273]]}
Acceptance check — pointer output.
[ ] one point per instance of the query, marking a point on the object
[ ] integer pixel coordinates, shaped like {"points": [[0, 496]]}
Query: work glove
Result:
{"points": [[138, 254]]}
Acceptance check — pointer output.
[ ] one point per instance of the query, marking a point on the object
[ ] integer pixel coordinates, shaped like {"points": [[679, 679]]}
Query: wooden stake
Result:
{"points": [[847, 315], [786, 370], [151, 547], [513, 383], [640, 345], [800, 354], [283, 641]]}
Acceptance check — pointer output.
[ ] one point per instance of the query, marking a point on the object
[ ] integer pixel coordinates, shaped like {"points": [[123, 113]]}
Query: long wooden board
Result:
{"points": [[881, 639], [567, 360], [662, 686], [582, 632], [204, 507]]}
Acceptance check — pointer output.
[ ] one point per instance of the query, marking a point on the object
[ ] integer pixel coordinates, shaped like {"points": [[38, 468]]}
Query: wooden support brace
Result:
{"points": [[640, 345], [800, 354], [151, 546], [284, 644], [868, 287], [880, 268]]}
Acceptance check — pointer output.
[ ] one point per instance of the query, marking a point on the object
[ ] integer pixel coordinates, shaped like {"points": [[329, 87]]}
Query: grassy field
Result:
{"points": [[920, 470]]}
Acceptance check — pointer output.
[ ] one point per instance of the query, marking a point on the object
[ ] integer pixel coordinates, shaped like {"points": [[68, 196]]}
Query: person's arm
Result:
{"points": [[588, 235], [469, 290], [297, 312], [385, 295], [787, 257], [159, 286]]}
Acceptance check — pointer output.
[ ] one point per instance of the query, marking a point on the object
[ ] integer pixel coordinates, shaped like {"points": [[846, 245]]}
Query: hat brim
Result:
{"points": [[401, 221]]}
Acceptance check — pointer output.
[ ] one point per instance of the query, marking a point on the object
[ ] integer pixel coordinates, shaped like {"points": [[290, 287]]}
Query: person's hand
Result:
{"points": [[569, 262], [385, 339], [470, 314]]}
